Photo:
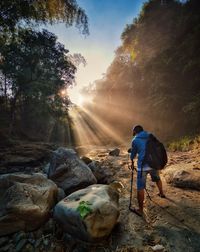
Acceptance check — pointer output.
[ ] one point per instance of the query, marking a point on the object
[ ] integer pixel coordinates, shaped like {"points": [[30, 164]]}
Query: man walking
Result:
{"points": [[138, 147]]}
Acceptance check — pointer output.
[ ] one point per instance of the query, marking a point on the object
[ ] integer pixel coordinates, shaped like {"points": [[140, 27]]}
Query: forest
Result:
{"points": [[154, 79], [35, 67]]}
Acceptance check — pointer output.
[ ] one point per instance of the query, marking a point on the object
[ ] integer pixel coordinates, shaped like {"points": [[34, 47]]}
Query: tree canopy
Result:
{"points": [[20, 12]]}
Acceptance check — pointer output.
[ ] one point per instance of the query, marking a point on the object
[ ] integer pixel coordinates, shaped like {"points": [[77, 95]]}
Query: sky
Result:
{"points": [[107, 20]]}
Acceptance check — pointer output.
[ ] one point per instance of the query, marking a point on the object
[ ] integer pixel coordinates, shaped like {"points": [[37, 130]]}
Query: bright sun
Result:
{"points": [[75, 96]]}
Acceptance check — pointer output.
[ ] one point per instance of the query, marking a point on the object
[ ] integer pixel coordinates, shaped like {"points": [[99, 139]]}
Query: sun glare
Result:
{"points": [[75, 96]]}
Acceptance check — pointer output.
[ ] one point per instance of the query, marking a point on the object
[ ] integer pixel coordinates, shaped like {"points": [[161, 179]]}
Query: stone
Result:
{"points": [[86, 160], [183, 176], [98, 222], [69, 172], [114, 152], [23, 155], [61, 194], [25, 201], [158, 248], [48, 227], [102, 173]]}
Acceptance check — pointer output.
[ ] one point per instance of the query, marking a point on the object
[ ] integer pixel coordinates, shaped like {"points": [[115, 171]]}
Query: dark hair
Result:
{"points": [[137, 129]]}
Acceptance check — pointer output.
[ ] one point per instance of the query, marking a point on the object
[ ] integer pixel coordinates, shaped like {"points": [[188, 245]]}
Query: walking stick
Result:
{"points": [[131, 191]]}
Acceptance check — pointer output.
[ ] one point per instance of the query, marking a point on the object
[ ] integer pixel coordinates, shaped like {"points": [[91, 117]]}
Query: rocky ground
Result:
{"points": [[169, 225]]}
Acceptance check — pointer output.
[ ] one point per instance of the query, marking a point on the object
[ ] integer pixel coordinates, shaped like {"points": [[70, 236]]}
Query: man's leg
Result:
{"points": [[156, 178], [160, 188], [141, 183], [140, 198]]}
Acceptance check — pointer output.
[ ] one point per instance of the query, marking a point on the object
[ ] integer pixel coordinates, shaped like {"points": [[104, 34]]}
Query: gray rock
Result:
{"points": [[184, 176], [114, 152], [69, 172], [25, 201], [48, 227], [102, 173], [61, 194], [102, 213], [46, 168]]}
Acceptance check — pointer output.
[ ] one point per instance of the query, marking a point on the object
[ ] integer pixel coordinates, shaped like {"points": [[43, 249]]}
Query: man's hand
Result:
{"points": [[129, 150]]}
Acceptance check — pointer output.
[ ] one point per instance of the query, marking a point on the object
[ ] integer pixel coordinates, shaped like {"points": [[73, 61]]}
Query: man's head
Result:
{"points": [[137, 129]]}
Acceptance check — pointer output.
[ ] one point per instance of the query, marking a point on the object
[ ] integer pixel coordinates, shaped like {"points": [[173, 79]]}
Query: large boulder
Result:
{"points": [[24, 156], [69, 172], [25, 201], [102, 173], [184, 176], [89, 214]]}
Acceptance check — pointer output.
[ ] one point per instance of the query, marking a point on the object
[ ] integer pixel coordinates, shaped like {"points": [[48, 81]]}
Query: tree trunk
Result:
{"points": [[5, 91], [12, 113]]}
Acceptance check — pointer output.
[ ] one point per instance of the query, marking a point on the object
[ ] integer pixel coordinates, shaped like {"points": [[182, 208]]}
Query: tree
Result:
{"points": [[19, 12], [38, 68]]}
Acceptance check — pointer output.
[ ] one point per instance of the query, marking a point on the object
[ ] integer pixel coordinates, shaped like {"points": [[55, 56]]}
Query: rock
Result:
{"points": [[24, 156], [158, 248], [101, 205], [46, 168], [48, 227], [61, 194], [86, 160], [114, 152], [102, 173], [25, 201], [183, 176], [69, 172]]}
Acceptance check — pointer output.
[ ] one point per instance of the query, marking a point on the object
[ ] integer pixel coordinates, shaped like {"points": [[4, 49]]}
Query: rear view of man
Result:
{"points": [[138, 147]]}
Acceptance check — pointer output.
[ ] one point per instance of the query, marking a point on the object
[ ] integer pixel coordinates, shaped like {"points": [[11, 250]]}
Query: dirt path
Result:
{"points": [[173, 222]]}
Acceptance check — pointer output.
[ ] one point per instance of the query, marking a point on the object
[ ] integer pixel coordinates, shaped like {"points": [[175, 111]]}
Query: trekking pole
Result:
{"points": [[148, 194], [131, 191]]}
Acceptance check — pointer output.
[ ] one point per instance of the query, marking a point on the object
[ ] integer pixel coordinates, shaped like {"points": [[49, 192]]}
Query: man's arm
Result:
{"points": [[133, 151]]}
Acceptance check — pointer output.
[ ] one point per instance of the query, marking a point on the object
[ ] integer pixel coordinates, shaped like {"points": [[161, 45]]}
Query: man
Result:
{"points": [[138, 147]]}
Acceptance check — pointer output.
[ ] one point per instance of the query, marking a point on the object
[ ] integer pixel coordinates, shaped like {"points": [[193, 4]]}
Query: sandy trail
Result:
{"points": [[173, 222]]}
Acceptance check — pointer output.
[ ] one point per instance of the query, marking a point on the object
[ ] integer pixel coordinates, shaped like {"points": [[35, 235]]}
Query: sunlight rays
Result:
{"points": [[90, 130]]}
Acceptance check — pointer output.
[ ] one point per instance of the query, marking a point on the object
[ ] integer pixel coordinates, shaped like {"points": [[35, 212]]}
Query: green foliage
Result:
{"points": [[185, 143], [31, 12], [84, 208]]}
